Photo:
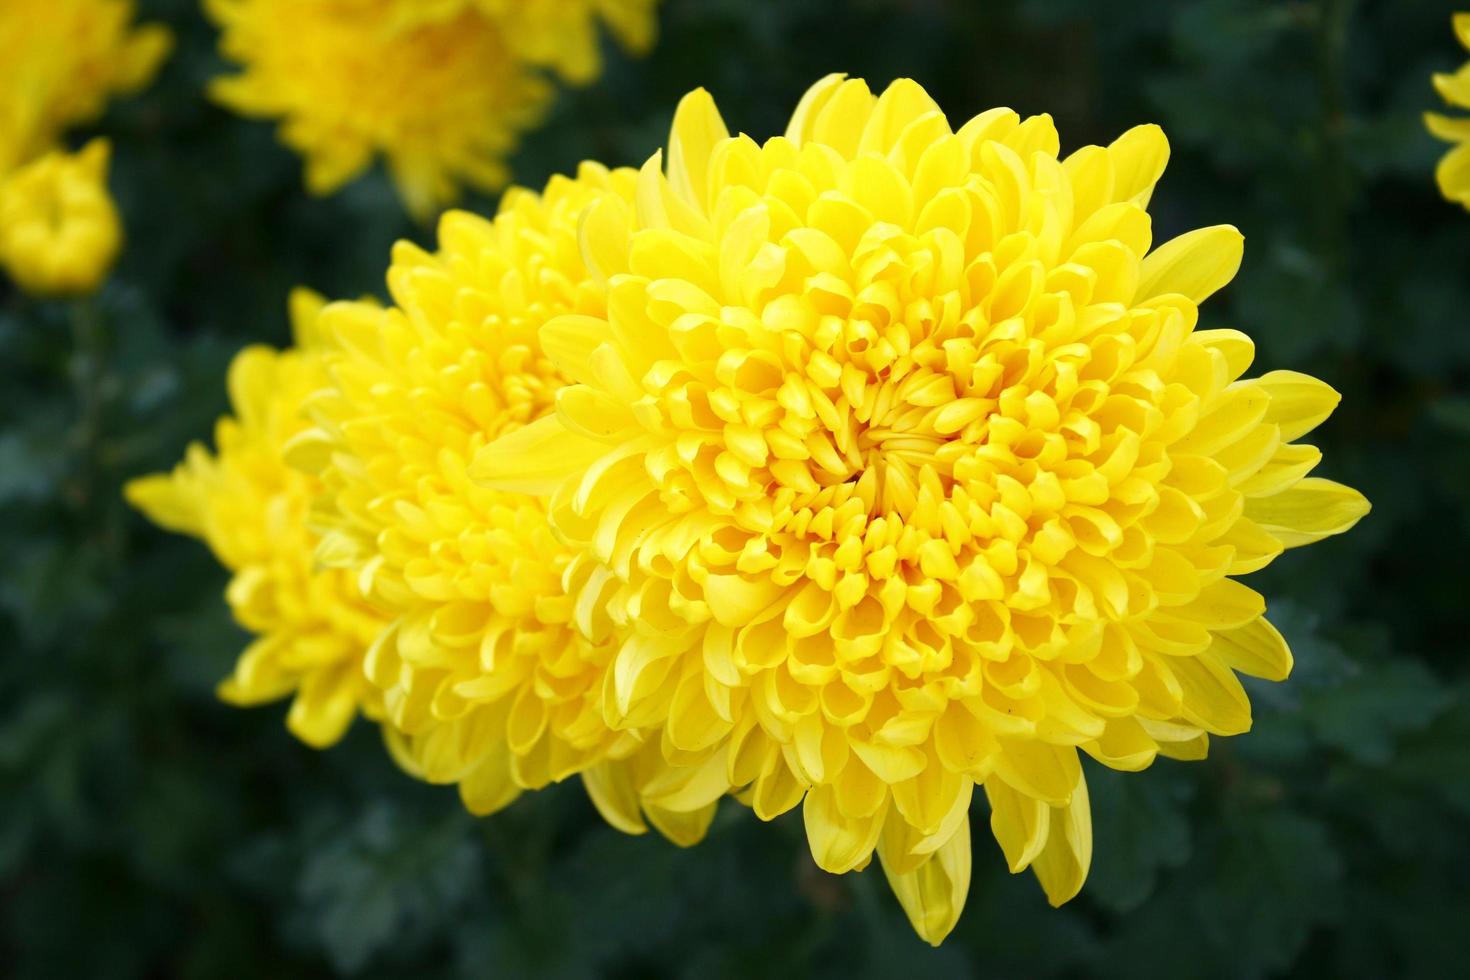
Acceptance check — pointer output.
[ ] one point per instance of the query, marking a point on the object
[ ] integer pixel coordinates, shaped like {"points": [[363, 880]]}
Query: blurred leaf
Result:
{"points": [[383, 880], [1363, 716], [1276, 878], [1441, 759], [30, 467], [1139, 828]]}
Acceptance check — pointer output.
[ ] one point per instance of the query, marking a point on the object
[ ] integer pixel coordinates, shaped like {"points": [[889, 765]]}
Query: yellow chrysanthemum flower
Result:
{"points": [[250, 508], [443, 101], [59, 229], [483, 670], [1453, 172], [899, 467], [60, 60]]}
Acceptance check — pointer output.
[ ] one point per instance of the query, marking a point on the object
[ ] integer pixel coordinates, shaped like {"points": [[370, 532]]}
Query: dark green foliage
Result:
{"points": [[148, 830]]}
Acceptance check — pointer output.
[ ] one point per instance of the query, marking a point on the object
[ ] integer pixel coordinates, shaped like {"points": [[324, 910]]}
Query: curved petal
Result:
{"points": [[1062, 865], [1196, 265], [933, 894]]}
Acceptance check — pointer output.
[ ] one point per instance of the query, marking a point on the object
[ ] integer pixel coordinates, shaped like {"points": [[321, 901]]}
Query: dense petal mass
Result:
{"points": [[60, 61], [899, 466], [1453, 172], [312, 626], [559, 34], [492, 665], [443, 100], [563, 34], [59, 228]]}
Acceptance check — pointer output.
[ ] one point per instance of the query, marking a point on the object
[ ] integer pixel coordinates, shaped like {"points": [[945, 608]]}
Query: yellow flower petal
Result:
{"points": [[1453, 174], [1190, 750], [488, 787], [799, 129], [1212, 696], [1310, 511], [682, 828], [1222, 605], [1452, 129], [933, 802], [1196, 264], [839, 843], [1299, 402], [1019, 822], [933, 894], [1237, 348], [1139, 157], [167, 502], [1062, 865], [688, 789], [1046, 772], [1256, 648], [1454, 89], [1124, 746], [697, 128], [535, 459], [1285, 469], [571, 342], [324, 706]]}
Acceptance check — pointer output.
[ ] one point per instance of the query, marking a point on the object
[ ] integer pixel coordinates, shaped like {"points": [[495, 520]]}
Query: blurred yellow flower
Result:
{"points": [[900, 467], [60, 60], [483, 672], [312, 626], [443, 101], [1453, 172], [59, 230]]}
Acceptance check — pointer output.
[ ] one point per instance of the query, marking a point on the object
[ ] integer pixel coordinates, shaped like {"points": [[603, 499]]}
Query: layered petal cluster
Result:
{"points": [[486, 678], [443, 99], [59, 229], [1453, 172], [60, 61], [896, 466], [312, 625]]}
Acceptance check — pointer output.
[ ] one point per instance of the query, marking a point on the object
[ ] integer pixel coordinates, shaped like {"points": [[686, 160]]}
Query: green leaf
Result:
{"points": [[1439, 758], [386, 881], [1139, 830], [1364, 716], [1274, 878]]}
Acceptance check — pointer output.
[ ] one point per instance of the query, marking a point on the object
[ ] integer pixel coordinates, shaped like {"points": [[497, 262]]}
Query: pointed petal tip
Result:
{"points": [[1195, 265]]}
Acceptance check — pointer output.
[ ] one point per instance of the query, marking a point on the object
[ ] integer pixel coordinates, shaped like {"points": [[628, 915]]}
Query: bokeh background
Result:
{"points": [[147, 830]]}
